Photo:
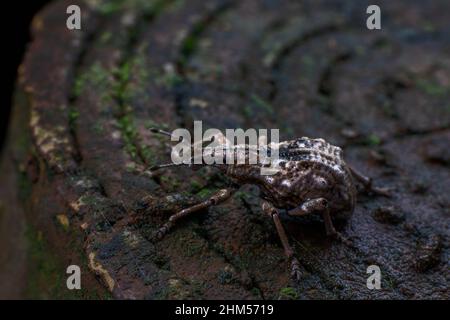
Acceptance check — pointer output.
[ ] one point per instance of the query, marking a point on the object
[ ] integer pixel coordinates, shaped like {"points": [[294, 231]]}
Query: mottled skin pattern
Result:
{"points": [[312, 178]]}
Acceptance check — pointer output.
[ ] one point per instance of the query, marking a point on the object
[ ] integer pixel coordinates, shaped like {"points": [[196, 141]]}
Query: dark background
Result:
{"points": [[16, 25]]}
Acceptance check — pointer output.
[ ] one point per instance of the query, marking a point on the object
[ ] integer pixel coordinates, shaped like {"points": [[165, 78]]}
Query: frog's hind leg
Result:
{"points": [[272, 212], [367, 183], [215, 199]]}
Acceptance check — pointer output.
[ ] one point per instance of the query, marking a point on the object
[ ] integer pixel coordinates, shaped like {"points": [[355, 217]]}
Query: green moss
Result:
{"points": [[428, 27], [195, 186], [110, 7], [78, 86], [47, 273], [159, 125], [171, 79], [288, 293], [389, 282], [98, 128], [129, 134], [115, 84], [121, 90], [170, 182], [190, 43], [140, 69], [148, 155], [242, 195], [431, 88], [247, 110], [125, 121], [205, 193], [122, 74], [167, 78], [256, 292], [162, 294], [73, 116], [373, 140], [95, 76], [88, 200], [262, 104], [198, 288], [106, 37], [123, 93]]}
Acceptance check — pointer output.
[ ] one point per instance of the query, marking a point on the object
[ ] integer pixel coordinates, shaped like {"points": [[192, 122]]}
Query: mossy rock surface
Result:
{"points": [[79, 145]]}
